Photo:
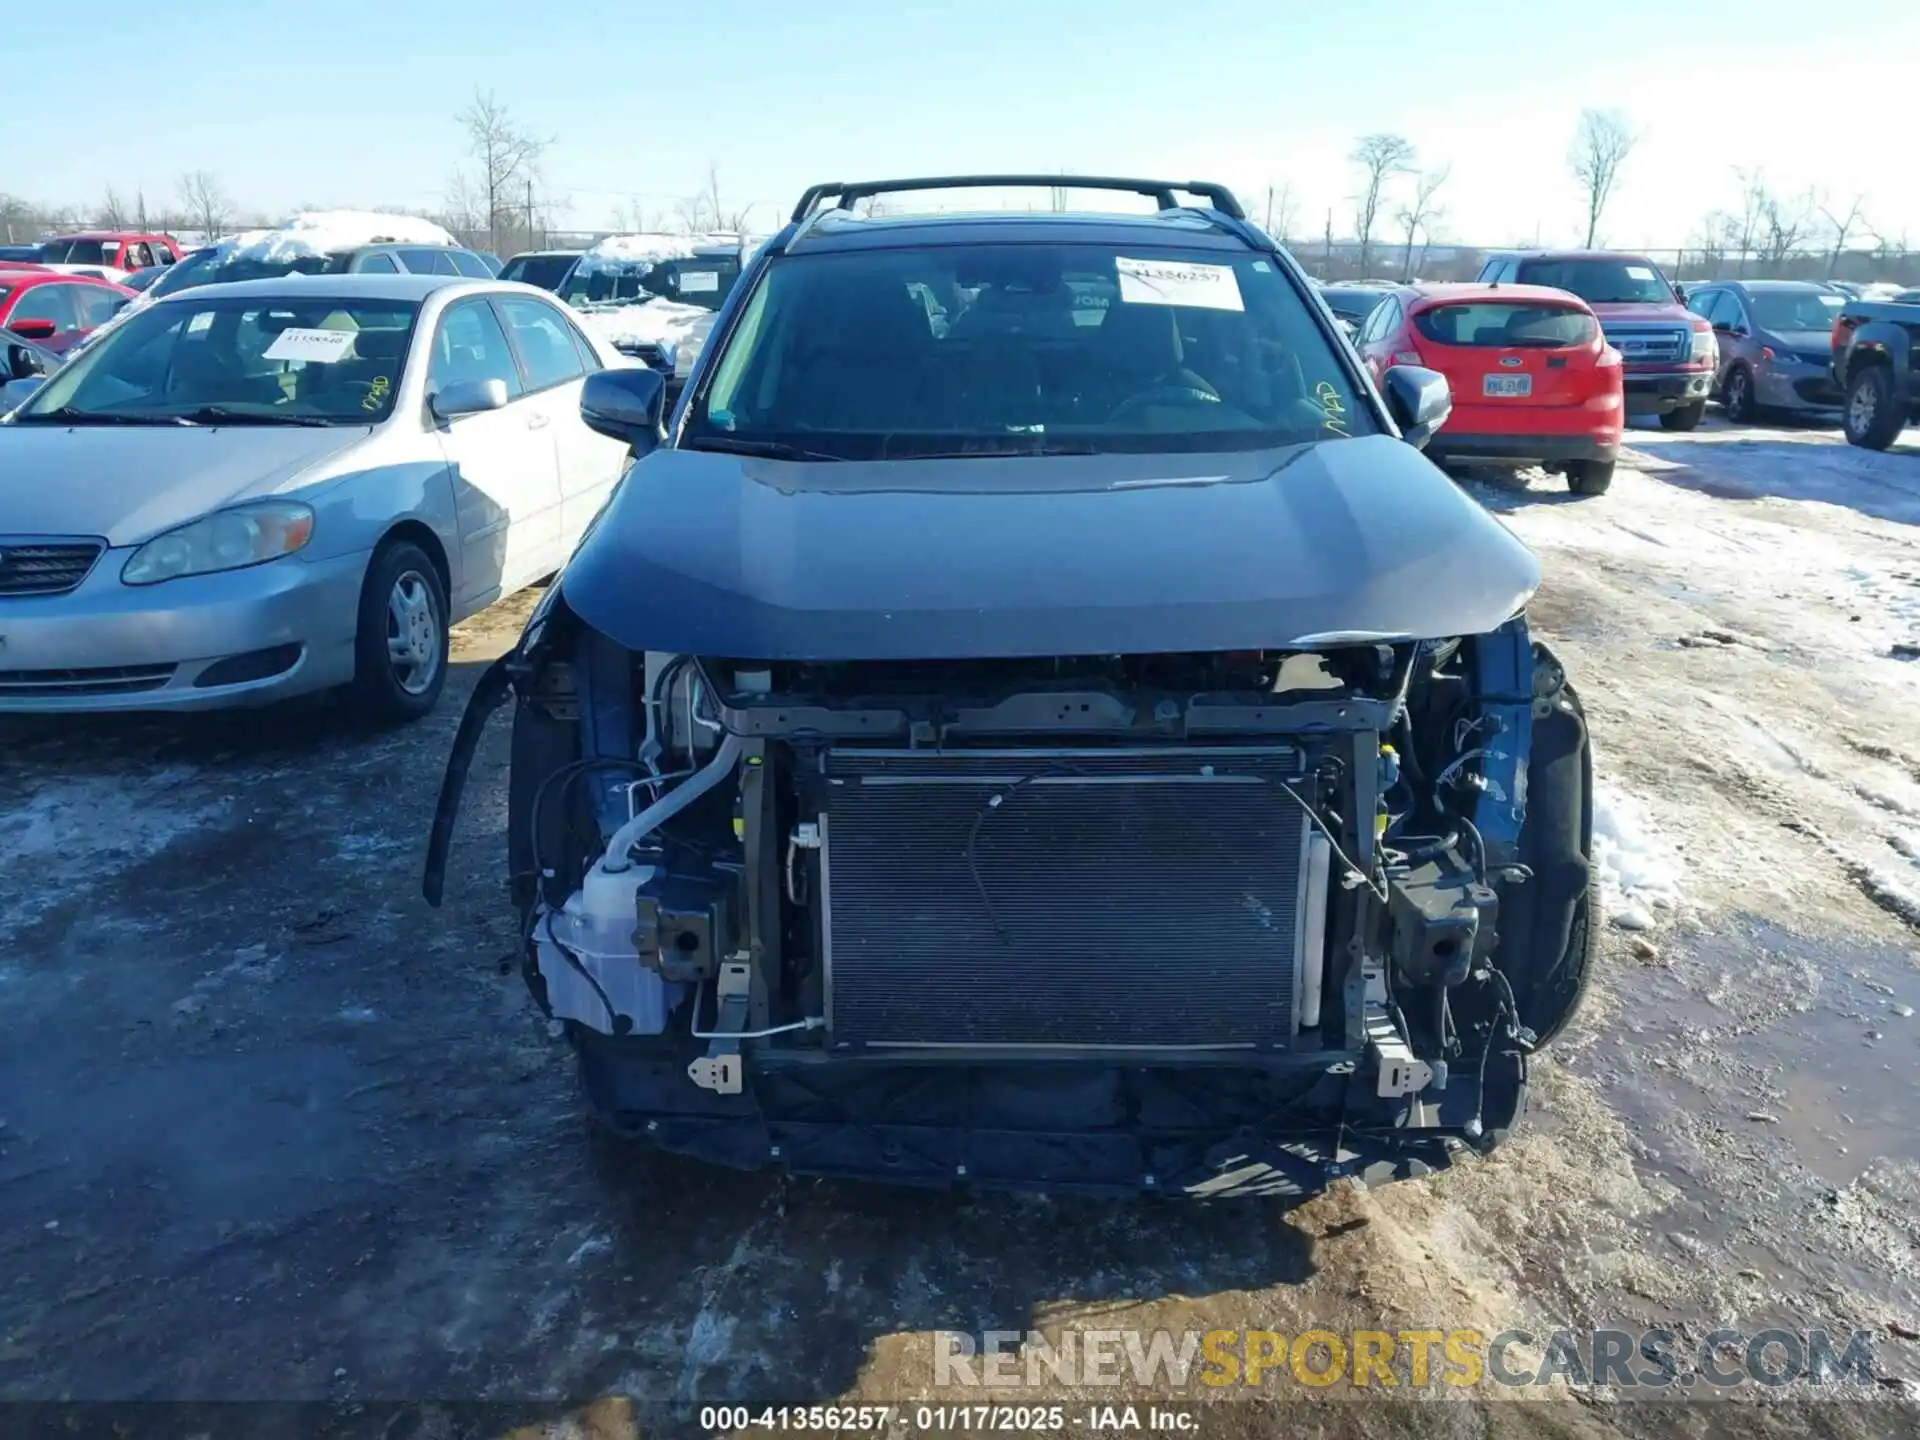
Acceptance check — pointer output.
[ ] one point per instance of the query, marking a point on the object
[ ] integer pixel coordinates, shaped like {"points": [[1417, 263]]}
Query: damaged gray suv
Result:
{"points": [[1033, 718]]}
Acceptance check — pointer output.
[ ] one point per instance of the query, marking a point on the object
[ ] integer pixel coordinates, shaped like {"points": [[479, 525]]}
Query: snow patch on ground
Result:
{"points": [[328, 232], [1640, 871], [53, 840]]}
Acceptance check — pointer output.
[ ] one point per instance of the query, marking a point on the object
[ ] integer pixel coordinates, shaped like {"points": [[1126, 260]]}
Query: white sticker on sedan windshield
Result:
{"points": [[1639, 272], [699, 282], [1178, 282], [322, 347]]}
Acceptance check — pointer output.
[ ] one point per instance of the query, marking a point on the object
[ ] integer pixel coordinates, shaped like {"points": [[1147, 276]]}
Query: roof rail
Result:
{"points": [[1162, 192]]}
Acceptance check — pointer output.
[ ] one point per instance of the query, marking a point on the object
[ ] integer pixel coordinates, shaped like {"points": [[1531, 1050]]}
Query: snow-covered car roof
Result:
{"points": [[330, 232]]}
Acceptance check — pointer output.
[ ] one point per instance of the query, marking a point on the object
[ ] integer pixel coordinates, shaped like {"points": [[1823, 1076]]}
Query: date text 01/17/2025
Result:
{"points": [[945, 1419]]}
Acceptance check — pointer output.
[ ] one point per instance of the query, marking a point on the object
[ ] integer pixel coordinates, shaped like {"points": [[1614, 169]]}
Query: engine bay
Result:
{"points": [[1099, 921]]}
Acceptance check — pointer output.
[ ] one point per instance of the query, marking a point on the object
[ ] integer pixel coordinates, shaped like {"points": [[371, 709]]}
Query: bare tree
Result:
{"points": [[207, 206], [113, 210], [509, 161], [1419, 216], [17, 218], [1785, 221], [1843, 228], [1281, 208], [1745, 229], [1711, 240], [1380, 158], [1601, 144]]}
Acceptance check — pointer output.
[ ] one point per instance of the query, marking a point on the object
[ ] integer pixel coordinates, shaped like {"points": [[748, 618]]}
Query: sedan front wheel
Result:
{"points": [[400, 648]]}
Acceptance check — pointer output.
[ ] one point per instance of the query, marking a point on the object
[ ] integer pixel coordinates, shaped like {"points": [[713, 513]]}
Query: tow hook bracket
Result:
{"points": [[720, 1069], [718, 1073], [1402, 1073]]}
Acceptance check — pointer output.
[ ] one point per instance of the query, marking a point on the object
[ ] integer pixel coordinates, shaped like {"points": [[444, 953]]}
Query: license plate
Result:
{"points": [[1507, 385]]}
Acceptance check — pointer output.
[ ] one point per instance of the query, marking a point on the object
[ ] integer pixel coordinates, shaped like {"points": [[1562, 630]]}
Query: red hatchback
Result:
{"points": [[53, 309], [1534, 381]]}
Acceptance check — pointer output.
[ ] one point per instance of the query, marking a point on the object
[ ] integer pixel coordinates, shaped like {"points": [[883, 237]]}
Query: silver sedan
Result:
{"points": [[253, 491]]}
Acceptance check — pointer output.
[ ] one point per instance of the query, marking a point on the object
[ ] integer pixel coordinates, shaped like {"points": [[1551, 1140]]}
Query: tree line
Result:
{"points": [[496, 198]]}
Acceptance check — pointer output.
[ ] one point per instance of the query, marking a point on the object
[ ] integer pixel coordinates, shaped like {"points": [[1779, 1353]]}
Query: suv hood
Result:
{"points": [[129, 483], [1345, 540]]}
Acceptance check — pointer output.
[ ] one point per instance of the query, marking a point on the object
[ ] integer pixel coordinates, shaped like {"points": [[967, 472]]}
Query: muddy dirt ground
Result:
{"points": [[270, 1128]]}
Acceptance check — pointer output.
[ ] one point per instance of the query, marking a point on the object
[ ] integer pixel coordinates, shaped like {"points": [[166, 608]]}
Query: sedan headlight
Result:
{"points": [[225, 540]]}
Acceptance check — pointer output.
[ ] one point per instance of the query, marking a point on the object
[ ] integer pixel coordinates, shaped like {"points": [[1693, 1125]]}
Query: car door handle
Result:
{"points": [[537, 422]]}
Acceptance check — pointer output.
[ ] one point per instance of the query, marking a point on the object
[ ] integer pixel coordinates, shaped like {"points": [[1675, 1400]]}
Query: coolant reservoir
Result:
{"points": [[596, 928]]}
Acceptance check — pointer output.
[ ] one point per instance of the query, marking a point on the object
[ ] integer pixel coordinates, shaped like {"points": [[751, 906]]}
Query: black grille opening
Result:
{"points": [[102, 680], [46, 567]]}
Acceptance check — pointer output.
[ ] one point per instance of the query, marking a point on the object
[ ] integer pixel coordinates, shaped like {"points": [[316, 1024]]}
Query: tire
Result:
{"points": [[1550, 925], [1685, 418], [1739, 396], [1589, 477], [1873, 419], [1555, 1005], [400, 643]]}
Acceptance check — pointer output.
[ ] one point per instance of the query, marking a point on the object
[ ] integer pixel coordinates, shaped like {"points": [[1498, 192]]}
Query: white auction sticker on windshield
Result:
{"points": [[322, 347], [699, 282], [1639, 272], [1178, 282]]}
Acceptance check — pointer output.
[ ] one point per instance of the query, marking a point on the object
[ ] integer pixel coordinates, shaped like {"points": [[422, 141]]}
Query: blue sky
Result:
{"points": [[351, 103]]}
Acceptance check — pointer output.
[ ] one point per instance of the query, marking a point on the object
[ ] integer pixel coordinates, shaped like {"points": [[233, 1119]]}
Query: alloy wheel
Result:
{"points": [[413, 633]]}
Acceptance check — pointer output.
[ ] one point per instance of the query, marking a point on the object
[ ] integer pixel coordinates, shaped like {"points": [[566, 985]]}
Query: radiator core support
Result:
{"points": [[1064, 900]]}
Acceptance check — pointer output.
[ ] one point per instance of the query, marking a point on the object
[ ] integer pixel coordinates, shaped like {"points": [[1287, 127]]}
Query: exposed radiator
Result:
{"points": [[1138, 898]]}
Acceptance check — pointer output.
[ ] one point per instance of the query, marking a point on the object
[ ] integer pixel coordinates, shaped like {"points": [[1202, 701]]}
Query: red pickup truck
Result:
{"points": [[1669, 353], [126, 250]]}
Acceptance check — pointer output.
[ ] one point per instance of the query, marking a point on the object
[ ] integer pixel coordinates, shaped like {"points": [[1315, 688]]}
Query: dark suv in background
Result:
{"points": [[1670, 354]]}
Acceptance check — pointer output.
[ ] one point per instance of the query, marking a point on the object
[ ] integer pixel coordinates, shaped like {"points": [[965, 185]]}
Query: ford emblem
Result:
{"points": [[1512, 362]]}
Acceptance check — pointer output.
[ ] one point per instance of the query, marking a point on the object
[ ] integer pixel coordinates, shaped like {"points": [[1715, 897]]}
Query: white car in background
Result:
{"points": [[252, 491]]}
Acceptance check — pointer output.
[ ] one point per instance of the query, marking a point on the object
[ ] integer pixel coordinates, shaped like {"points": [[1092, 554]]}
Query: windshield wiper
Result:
{"points": [[221, 415], [762, 449], [69, 415]]}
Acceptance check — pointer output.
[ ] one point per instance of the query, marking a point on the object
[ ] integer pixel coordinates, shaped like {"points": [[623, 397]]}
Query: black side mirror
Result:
{"points": [[1419, 399], [21, 364], [1680, 293], [625, 404]]}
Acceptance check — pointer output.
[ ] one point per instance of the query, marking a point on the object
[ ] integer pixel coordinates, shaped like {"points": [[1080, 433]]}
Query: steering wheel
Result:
{"points": [[1179, 390]]}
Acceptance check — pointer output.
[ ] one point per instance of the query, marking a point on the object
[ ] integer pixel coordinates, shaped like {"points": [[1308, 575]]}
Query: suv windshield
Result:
{"points": [[264, 362], [1795, 309], [603, 282], [1601, 282], [545, 271], [1024, 349]]}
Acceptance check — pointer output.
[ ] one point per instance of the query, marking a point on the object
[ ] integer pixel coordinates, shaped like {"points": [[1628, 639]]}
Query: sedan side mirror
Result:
{"points": [[467, 397], [1419, 399], [625, 404], [34, 329]]}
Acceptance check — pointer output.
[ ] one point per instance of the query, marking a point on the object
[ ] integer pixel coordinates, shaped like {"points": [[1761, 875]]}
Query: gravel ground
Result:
{"points": [[270, 1128]]}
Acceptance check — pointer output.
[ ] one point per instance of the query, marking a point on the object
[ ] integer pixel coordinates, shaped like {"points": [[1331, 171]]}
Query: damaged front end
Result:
{"points": [[1199, 922]]}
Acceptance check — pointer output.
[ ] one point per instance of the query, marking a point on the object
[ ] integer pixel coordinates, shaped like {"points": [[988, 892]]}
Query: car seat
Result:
{"points": [[1136, 349], [859, 363]]}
